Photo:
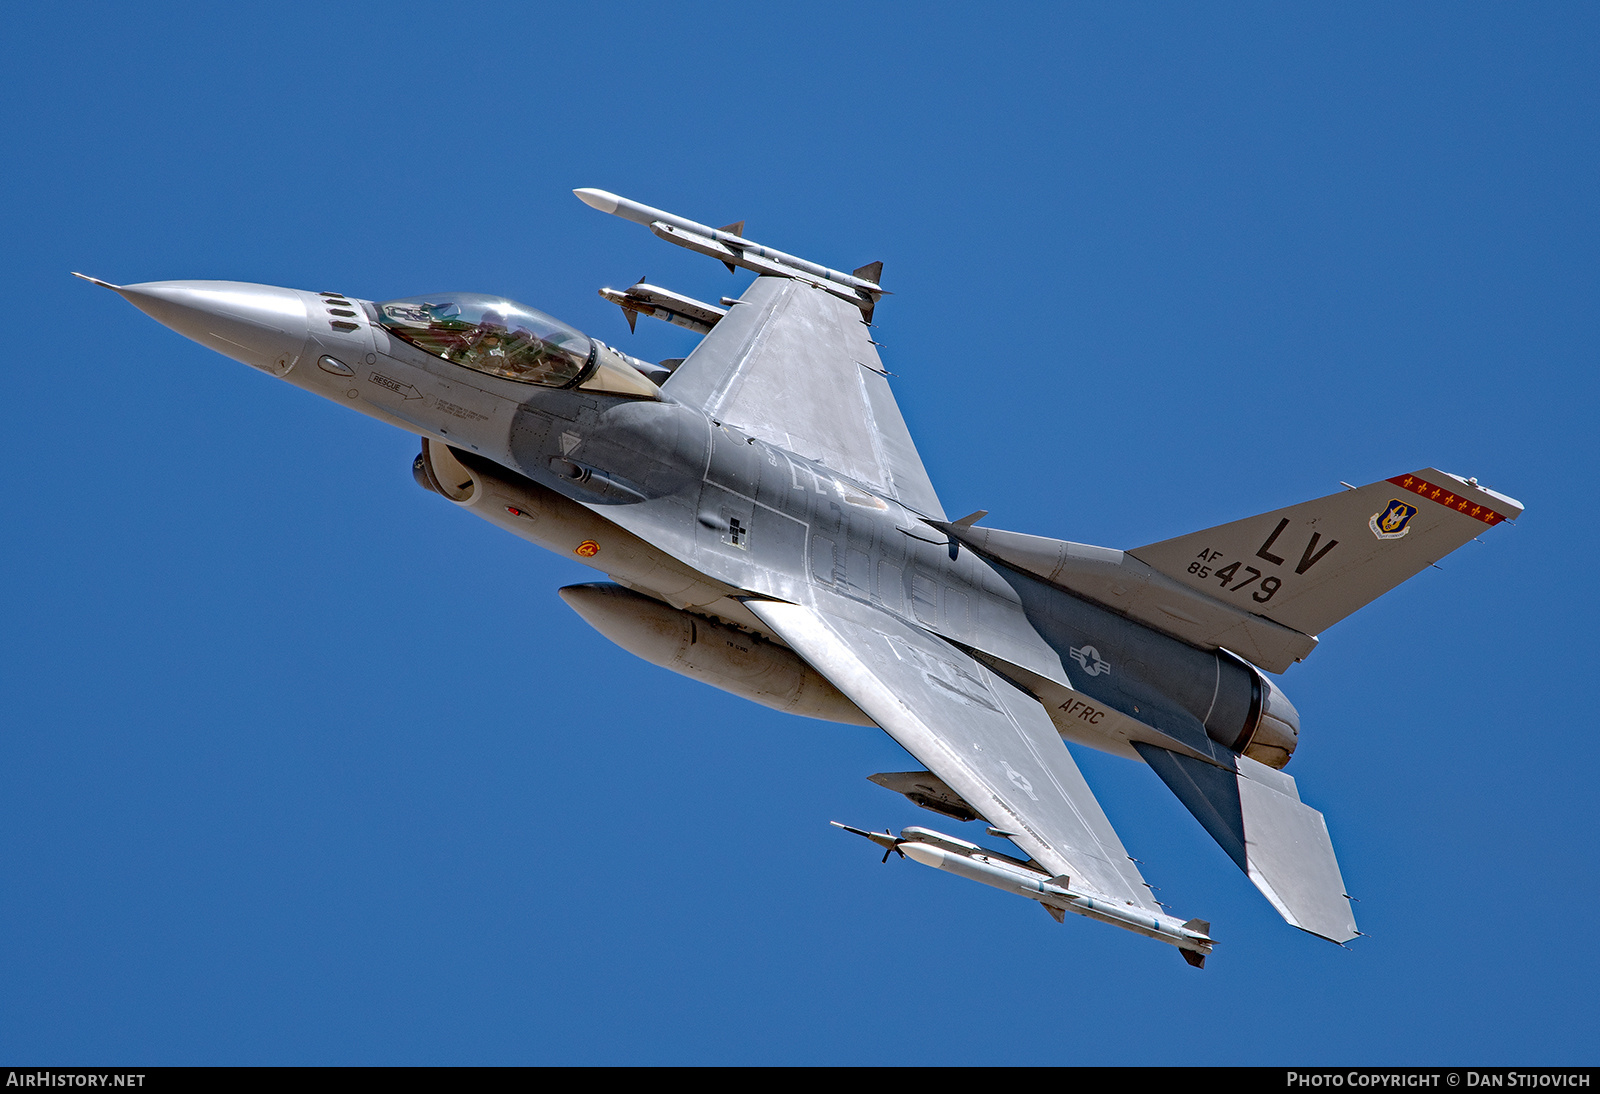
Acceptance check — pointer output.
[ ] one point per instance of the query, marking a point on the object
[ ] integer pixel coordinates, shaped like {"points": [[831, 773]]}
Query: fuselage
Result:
{"points": [[687, 509]]}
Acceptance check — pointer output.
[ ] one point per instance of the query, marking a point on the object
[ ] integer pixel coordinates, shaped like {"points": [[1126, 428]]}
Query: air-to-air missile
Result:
{"points": [[659, 303], [975, 863], [727, 246]]}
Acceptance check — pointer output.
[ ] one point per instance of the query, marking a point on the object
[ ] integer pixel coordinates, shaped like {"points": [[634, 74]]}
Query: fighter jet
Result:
{"points": [[767, 527]]}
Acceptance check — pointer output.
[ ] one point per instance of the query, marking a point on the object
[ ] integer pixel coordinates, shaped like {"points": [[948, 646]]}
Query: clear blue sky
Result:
{"points": [[302, 765]]}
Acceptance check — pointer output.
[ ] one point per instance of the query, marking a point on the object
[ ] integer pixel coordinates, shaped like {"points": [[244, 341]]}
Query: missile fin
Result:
{"points": [[1055, 913], [734, 229], [633, 320], [883, 839], [872, 271]]}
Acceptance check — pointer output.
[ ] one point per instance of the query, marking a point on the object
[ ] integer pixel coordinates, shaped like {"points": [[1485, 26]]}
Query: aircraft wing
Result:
{"points": [[796, 366], [988, 740]]}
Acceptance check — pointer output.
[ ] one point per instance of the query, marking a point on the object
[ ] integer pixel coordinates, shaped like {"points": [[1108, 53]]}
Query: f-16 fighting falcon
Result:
{"points": [[767, 527]]}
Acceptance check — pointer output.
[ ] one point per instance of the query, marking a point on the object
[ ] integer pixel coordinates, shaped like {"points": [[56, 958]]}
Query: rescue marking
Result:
{"points": [[405, 391], [1448, 498]]}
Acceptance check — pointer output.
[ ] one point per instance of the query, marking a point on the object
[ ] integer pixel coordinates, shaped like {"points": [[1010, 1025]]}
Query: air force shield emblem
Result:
{"points": [[1393, 521]]}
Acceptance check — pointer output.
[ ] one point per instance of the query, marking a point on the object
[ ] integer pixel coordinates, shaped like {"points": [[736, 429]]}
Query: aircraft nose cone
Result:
{"points": [[261, 325]]}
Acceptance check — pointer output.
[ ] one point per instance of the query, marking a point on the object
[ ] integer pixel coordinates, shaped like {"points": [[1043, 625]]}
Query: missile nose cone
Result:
{"points": [[598, 199], [256, 324]]}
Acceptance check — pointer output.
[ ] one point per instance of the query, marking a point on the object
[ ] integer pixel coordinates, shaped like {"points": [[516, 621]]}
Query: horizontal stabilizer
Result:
{"points": [[1310, 565], [1282, 844]]}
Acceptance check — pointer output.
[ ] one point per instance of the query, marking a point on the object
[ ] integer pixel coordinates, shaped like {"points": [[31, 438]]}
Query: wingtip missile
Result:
{"points": [[733, 250]]}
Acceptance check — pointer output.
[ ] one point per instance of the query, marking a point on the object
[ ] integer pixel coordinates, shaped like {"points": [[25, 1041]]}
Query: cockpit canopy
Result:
{"points": [[493, 335]]}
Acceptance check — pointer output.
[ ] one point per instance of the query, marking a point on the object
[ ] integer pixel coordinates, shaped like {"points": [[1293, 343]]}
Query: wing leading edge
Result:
{"points": [[990, 742]]}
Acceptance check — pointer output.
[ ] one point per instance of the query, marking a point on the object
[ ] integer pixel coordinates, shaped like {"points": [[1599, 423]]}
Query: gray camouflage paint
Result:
{"points": [[770, 485]]}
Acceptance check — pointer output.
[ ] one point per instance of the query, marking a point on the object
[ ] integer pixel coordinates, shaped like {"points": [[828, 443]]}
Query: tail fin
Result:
{"points": [[1310, 565]]}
